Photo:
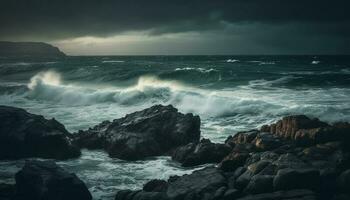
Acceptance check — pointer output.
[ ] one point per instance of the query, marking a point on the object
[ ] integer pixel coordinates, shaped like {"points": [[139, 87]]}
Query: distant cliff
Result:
{"points": [[29, 49]]}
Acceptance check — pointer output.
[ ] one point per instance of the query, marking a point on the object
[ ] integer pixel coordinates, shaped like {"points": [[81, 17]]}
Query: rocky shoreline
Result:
{"points": [[294, 158]]}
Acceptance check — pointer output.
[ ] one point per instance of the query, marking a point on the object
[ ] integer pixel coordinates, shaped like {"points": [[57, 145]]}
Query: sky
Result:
{"points": [[180, 27]]}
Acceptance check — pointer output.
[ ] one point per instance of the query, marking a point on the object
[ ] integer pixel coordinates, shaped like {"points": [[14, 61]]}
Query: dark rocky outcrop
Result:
{"points": [[39, 180], [296, 158], [151, 132], [23, 134], [207, 183], [29, 49], [204, 152]]}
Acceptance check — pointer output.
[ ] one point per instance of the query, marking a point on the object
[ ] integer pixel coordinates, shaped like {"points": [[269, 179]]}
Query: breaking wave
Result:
{"points": [[260, 98]]}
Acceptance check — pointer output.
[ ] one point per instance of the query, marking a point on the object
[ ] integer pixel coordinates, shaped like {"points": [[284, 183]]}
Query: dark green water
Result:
{"points": [[230, 93]]}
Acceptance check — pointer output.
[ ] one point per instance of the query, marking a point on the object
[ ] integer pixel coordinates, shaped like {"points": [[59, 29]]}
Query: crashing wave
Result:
{"points": [[315, 62]]}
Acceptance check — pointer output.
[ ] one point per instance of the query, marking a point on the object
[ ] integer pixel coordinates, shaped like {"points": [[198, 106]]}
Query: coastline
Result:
{"points": [[305, 157]]}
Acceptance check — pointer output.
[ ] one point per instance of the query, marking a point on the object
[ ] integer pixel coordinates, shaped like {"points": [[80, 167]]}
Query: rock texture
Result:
{"points": [[44, 180], [23, 134], [154, 131], [204, 152], [296, 158], [29, 49]]}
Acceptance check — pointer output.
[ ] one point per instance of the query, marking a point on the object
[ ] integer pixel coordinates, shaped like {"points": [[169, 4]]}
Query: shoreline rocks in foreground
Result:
{"points": [[39, 180], [154, 131], [295, 158], [24, 135]]}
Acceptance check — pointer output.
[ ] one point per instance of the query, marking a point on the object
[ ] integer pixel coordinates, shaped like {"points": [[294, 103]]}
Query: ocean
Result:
{"points": [[229, 93]]}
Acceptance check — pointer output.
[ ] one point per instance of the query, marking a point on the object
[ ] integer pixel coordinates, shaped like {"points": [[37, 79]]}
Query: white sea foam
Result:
{"points": [[315, 62], [254, 104], [113, 61], [232, 60], [201, 70]]}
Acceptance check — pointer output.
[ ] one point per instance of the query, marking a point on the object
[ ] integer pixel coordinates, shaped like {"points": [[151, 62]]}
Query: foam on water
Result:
{"points": [[229, 97]]}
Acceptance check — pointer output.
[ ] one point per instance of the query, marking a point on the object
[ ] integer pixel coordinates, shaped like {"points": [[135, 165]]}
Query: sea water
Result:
{"points": [[229, 93]]}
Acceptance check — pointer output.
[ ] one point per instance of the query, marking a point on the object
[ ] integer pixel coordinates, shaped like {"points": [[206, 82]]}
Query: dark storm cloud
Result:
{"points": [[56, 19]]}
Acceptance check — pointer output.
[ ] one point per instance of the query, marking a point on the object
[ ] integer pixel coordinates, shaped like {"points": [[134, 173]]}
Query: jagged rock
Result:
{"points": [[201, 153], [266, 141], [241, 138], [40, 180], [233, 161], [207, 180], [283, 195], [23, 134], [259, 184], [155, 185], [288, 179], [154, 131], [288, 126]]}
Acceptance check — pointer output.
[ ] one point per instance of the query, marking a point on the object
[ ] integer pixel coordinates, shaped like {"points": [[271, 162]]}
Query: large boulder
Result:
{"points": [[39, 180], [201, 153], [288, 179], [283, 195], [154, 131], [23, 134]]}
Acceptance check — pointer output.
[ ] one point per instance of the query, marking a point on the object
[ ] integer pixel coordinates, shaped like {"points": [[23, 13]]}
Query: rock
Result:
{"points": [[45, 180], [233, 161], [260, 184], [283, 195], [343, 182], [266, 141], [241, 138], [256, 167], [154, 131], [23, 134], [202, 153], [155, 185], [7, 191], [207, 180], [231, 194], [288, 126], [288, 179]]}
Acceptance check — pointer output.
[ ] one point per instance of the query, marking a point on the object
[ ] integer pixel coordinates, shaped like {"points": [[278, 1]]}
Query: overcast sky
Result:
{"points": [[148, 27]]}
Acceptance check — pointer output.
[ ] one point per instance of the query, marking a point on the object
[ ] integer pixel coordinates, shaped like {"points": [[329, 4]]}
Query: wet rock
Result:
{"points": [[288, 126], [231, 194], [201, 153], [288, 179], [207, 180], [23, 134], [7, 191], [233, 161], [259, 184], [241, 138], [266, 141], [45, 180], [283, 195], [155, 185], [154, 131], [343, 182]]}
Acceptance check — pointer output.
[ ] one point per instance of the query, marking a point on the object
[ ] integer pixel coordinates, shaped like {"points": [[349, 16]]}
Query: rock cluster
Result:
{"points": [[295, 158], [154, 131]]}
